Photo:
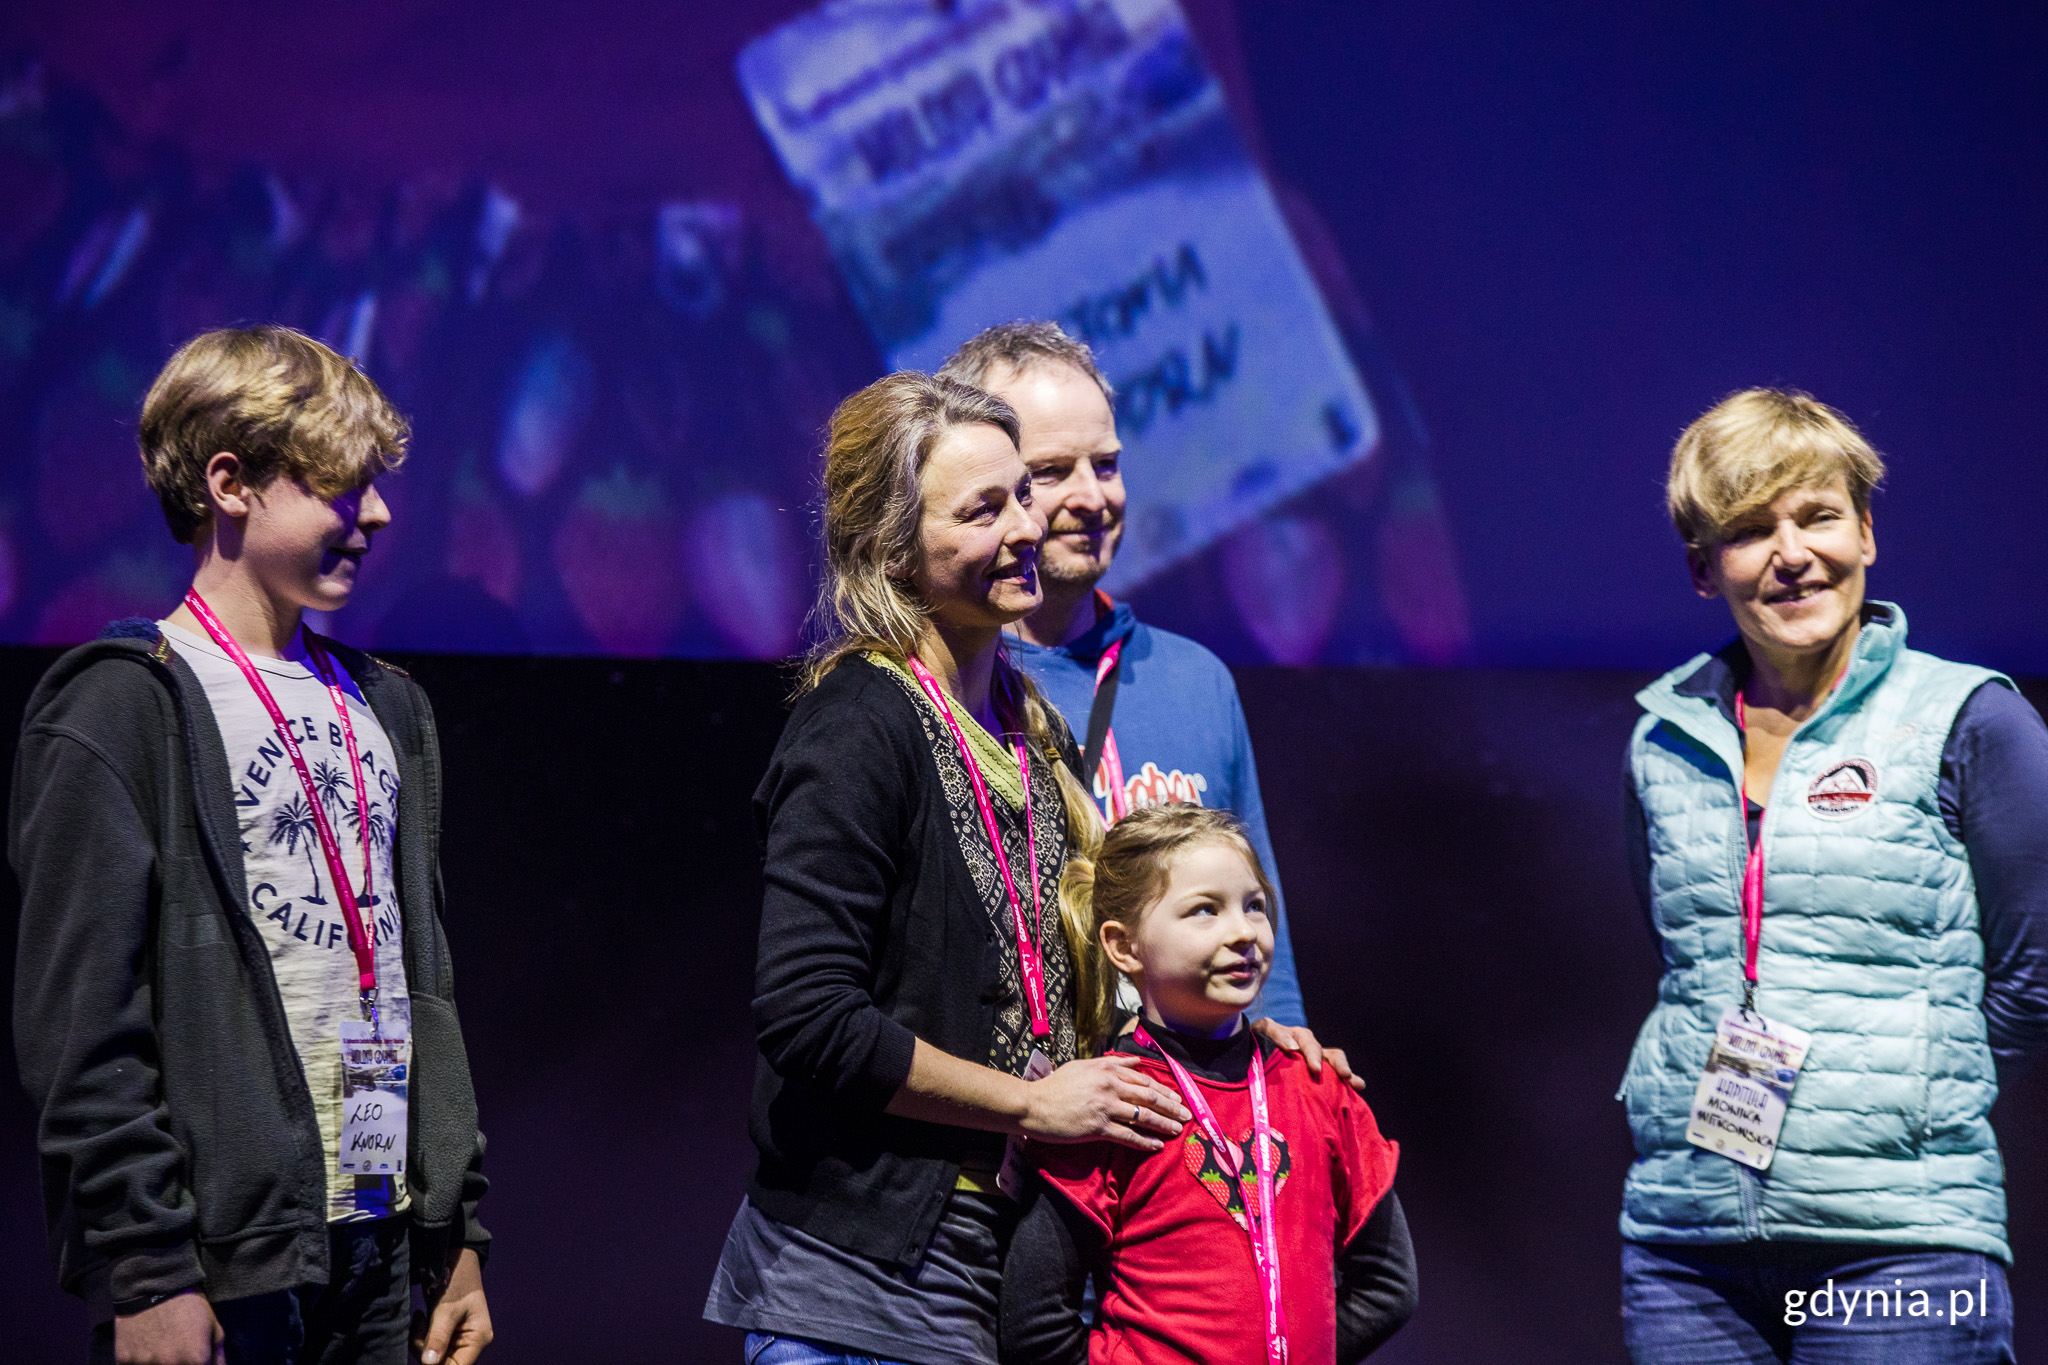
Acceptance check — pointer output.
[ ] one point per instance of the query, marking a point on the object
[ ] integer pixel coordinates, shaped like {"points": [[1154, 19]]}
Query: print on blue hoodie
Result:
{"points": [[1181, 734]]}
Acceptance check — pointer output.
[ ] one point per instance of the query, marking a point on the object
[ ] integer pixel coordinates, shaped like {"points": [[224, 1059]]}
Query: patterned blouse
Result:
{"points": [[1010, 1048]]}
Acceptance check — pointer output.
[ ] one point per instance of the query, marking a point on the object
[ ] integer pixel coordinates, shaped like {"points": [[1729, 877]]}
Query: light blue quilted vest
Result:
{"points": [[1870, 943]]}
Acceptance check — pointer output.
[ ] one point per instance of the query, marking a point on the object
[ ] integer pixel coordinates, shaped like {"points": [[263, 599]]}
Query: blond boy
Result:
{"points": [[231, 950]]}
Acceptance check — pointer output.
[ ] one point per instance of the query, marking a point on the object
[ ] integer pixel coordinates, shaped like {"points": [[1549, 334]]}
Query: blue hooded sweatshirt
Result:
{"points": [[1181, 735]]}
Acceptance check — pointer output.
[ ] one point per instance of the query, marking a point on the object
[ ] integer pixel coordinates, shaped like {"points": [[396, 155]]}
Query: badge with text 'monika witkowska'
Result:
{"points": [[1742, 1096]]}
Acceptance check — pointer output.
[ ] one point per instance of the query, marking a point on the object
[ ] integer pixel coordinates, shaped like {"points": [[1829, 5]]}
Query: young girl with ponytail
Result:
{"points": [[1268, 1231]]}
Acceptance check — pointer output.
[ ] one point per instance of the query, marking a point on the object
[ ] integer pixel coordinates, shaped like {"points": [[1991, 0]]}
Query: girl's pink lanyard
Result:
{"points": [[1027, 942], [1259, 1209], [358, 932], [1111, 773], [1752, 878]]}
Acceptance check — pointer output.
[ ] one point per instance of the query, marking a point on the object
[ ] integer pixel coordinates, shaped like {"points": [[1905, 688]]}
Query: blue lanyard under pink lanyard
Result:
{"points": [[1265, 1183], [1112, 763], [1752, 875], [359, 941], [1029, 958]]}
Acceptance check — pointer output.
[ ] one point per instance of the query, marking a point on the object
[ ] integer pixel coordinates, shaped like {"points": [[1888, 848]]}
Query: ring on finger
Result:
{"points": [[1136, 1114]]}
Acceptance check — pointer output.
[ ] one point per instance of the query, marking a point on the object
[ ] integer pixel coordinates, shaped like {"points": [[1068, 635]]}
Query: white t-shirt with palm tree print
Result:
{"points": [[291, 898]]}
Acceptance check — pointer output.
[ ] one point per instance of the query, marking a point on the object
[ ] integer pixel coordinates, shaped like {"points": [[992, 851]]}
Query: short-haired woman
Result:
{"points": [[1842, 845]]}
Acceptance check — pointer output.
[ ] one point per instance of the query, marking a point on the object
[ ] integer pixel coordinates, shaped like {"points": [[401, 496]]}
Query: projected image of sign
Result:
{"points": [[1076, 161]]}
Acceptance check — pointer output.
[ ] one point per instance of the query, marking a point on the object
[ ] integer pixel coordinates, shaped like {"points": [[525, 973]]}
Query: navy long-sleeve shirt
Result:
{"points": [[1993, 797]]}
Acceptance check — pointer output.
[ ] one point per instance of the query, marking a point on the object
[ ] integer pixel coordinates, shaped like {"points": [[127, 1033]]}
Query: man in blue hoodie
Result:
{"points": [[1158, 713]]}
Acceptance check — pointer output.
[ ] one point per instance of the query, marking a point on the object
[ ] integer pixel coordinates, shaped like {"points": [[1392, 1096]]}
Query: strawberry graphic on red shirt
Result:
{"points": [[1200, 1159]]}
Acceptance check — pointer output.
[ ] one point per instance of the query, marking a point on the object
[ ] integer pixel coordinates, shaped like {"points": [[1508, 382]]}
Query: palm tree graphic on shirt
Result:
{"points": [[337, 794], [291, 825], [380, 827], [333, 785]]}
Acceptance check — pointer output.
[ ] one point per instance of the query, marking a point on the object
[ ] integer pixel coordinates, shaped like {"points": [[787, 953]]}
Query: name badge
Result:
{"points": [[375, 1066], [1744, 1092], [1010, 1178]]}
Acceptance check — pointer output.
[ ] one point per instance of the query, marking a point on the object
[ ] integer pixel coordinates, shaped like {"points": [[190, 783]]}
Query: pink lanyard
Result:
{"points": [[1752, 877], [1265, 1242], [358, 935], [1027, 945], [1111, 773]]}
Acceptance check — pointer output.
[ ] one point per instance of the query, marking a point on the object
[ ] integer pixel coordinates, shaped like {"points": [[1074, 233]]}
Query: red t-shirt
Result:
{"points": [[1182, 1284]]}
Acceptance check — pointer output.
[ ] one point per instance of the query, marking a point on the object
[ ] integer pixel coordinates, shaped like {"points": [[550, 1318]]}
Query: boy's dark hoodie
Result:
{"points": [[178, 1141]]}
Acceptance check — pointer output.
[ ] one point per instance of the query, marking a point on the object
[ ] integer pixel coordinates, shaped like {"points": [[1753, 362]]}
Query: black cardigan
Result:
{"points": [[873, 934]]}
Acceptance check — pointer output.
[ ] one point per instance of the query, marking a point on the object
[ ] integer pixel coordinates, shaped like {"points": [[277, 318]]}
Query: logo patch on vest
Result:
{"points": [[1843, 791]]}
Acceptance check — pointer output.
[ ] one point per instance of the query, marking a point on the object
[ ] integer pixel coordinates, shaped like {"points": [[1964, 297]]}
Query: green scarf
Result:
{"points": [[997, 761]]}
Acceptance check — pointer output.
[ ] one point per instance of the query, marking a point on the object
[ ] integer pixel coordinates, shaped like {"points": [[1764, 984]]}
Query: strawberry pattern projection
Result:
{"points": [[1418, 575], [483, 545], [744, 565], [550, 404], [33, 185], [8, 581], [87, 489], [1200, 1159], [125, 585], [103, 256], [714, 336], [1286, 579], [619, 554]]}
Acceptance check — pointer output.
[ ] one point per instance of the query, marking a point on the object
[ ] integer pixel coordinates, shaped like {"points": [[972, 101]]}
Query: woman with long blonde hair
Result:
{"points": [[913, 990]]}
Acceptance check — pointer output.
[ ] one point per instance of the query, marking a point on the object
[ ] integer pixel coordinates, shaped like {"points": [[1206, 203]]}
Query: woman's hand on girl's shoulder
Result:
{"points": [[1299, 1041], [1102, 1098]]}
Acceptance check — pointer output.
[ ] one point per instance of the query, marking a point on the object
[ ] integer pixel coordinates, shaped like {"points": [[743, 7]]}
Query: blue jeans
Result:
{"points": [[1813, 1303], [770, 1348]]}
